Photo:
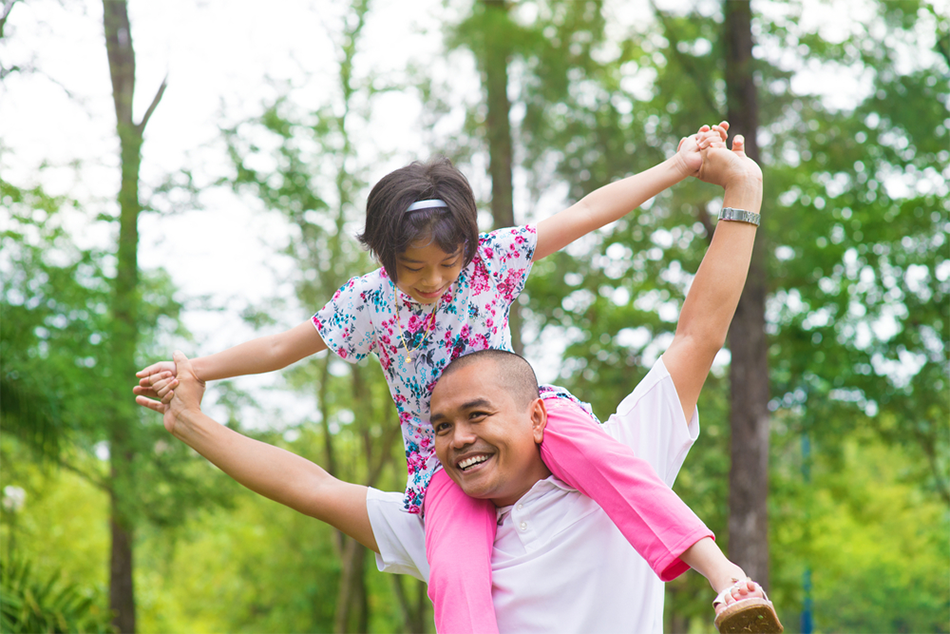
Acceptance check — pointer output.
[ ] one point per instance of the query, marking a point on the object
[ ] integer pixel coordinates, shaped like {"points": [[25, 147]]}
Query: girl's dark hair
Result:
{"points": [[390, 230]]}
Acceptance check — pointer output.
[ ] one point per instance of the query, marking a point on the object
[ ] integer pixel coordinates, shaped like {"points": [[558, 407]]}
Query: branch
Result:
{"points": [[153, 105], [7, 8], [93, 480], [686, 62]]}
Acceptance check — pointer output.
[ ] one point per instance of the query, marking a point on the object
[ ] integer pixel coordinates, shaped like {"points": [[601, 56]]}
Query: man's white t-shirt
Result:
{"points": [[559, 564]]}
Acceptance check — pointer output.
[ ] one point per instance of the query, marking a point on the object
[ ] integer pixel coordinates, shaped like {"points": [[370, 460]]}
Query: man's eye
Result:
{"points": [[441, 427]]}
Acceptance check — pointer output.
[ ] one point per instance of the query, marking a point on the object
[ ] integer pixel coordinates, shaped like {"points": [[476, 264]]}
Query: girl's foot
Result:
{"points": [[744, 607]]}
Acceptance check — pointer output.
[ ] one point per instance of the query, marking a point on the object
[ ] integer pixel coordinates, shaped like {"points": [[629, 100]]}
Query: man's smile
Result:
{"points": [[466, 464]]}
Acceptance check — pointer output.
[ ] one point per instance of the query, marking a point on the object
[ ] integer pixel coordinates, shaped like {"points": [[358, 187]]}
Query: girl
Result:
{"points": [[444, 290]]}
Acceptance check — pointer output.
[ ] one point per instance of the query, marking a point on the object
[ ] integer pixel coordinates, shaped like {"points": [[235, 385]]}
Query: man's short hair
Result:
{"points": [[512, 370]]}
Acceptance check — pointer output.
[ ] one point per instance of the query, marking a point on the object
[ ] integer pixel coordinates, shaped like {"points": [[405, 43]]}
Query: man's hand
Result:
{"points": [[726, 168], [182, 396]]}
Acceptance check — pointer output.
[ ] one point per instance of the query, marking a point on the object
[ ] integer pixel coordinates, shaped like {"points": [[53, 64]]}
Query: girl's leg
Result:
{"points": [[655, 521], [460, 535]]}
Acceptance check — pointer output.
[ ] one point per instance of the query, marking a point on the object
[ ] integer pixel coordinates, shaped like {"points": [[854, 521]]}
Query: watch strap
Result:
{"points": [[740, 215]]}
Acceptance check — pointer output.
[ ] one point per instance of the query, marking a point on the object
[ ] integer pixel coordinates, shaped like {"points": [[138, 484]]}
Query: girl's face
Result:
{"points": [[425, 271]]}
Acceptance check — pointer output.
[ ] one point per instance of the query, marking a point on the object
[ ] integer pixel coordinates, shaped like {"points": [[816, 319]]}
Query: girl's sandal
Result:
{"points": [[751, 614]]}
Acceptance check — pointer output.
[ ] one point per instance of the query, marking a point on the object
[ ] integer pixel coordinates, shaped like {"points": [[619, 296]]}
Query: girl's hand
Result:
{"points": [[179, 397], [151, 374], [157, 385], [690, 147]]}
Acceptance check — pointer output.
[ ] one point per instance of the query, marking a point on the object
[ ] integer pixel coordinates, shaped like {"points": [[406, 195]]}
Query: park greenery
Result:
{"points": [[851, 278]]}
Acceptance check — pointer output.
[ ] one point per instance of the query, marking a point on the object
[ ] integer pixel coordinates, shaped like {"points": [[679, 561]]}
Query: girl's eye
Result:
{"points": [[413, 270]]}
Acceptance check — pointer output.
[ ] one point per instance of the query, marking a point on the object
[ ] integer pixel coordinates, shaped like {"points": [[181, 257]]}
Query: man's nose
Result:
{"points": [[462, 437]]}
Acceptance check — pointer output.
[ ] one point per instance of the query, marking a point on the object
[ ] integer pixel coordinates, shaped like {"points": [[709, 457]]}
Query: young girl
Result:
{"points": [[444, 290]]}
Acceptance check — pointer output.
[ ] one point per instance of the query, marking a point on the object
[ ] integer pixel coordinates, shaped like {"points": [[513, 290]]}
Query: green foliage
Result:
{"points": [[54, 300], [30, 604]]}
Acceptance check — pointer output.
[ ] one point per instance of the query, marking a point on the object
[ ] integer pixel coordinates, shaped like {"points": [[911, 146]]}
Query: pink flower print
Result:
{"points": [[507, 287], [415, 462], [414, 322], [479, 280]]}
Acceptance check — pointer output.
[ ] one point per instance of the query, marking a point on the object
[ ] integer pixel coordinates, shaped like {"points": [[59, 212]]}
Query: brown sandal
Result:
{"points": [[752, 614]]}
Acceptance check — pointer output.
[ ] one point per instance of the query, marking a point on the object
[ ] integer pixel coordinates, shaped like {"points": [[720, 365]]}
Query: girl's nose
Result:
{"points": [[433, 278]]}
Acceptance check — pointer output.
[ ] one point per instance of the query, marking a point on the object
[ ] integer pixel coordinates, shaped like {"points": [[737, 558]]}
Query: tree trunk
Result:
{"points": [[496, 51], [415, 612], [352, 610], [124, 309], [748, 476]]}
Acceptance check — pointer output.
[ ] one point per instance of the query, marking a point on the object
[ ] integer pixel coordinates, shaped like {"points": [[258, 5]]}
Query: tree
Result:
{"points": [[124, 338], [748, 341]]}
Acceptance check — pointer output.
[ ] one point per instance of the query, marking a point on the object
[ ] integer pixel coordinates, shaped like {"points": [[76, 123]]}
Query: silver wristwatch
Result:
{"points": [[740, 215]]}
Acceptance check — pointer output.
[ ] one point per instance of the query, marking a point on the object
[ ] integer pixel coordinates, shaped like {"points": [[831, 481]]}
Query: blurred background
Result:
{"points": [[190, 175]]}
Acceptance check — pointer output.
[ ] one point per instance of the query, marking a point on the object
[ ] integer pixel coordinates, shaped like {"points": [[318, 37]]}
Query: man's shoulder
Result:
{"points": [[650, 420]]}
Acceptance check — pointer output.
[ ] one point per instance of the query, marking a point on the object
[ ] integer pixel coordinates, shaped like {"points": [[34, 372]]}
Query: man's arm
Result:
{"points": [[270, 471], [714, 294], [613, 201]]}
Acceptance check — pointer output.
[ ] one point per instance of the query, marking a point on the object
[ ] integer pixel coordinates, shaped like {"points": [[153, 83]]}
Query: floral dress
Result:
{"points": [[471, 315]]}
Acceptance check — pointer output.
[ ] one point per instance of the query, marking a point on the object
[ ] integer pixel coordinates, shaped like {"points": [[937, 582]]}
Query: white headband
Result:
{"points": [[426, 204]]}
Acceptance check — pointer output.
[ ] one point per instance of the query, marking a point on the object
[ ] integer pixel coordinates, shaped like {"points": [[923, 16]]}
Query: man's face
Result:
{"points": [[487, 442]]}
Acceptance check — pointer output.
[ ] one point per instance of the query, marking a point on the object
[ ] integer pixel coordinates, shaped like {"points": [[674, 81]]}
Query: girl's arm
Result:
{"points": [[612, 202], [270, 471], [264, 354]]}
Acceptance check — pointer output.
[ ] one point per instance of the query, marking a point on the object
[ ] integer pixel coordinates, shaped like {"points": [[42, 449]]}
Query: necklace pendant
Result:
{"points": [[408, 358]]}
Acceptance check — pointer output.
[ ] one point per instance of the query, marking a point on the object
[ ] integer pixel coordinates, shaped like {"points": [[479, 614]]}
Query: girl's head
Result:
{"points": [[423, 250]]}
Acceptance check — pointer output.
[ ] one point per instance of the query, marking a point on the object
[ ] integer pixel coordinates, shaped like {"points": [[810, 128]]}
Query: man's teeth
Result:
{"points": [[470, 462]]}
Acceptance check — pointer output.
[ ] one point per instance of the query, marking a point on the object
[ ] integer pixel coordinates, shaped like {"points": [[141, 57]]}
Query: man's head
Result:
{"points": [[489, 421]]}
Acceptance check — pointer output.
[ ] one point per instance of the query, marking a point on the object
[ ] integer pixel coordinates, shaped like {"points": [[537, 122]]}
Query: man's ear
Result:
{"points": [[539, 419]]}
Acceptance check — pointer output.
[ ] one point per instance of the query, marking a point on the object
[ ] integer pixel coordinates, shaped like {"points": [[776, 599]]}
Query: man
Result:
{"points": [[559, 564]]}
